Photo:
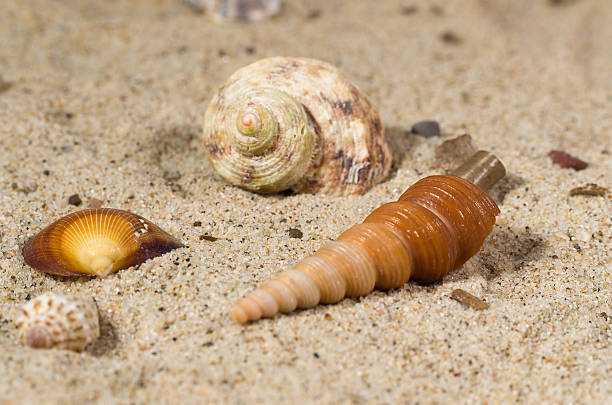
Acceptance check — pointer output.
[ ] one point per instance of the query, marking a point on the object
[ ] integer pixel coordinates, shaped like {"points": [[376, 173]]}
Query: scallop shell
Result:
{"points": [[55, 321], [295, 123], [434, 227], [96, 242]]}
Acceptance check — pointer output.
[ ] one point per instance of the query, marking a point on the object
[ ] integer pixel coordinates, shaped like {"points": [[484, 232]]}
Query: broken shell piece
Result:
{"points": [[452, 153], [55, 321], [295, 123], [96, 242], [237, 10]]}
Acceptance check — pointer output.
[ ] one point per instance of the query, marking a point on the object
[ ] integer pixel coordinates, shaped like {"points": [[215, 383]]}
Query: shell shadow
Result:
{"points": [[514, 250], [107, 341], [178, 158], [401, 141], [505, 185]]}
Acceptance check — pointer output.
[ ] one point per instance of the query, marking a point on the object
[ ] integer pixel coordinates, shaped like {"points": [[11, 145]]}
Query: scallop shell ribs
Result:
{"points": [[295, 123], [434, 227], [55, 321], [96, 242]]}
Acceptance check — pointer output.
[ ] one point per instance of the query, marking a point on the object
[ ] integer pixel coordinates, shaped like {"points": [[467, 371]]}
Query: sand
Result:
{"points": [[106, 99]]}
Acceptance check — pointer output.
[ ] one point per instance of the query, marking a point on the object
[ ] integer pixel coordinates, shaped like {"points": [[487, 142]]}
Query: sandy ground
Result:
{"points": [[106, 100]]}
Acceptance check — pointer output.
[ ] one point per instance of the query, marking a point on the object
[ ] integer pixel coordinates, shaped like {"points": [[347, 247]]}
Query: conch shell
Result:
{"points": [[295, 123], [435, 226]]}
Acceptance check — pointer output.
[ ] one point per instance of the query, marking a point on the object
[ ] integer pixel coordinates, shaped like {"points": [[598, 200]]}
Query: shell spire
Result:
{"points": [[96, 242], [435, 226], [295, 123]]}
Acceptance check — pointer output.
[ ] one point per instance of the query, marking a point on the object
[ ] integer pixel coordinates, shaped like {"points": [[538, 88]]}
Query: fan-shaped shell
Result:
{"points": [[55, 321], [434, 227], [96, 242], [295, 123]]}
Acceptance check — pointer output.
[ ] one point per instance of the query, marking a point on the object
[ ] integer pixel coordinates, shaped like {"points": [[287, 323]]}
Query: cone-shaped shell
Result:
{"points": [[295, 123], [96, 242], [437, 224], [55, 321]]}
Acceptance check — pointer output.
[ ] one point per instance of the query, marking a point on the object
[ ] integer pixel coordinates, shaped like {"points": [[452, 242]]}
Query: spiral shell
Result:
{"points": [[96, 242], [295, 123], [55, 321], [434, 227]]}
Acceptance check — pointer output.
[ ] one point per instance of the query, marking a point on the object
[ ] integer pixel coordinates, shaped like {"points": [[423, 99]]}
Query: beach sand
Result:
{"points": [[106, 100]]}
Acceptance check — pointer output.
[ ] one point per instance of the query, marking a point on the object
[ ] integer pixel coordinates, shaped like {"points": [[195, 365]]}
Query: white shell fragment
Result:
{"points": [[236, 10], [60, 322]]}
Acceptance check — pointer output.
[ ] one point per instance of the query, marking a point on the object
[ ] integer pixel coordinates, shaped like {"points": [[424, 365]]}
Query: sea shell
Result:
{"points": [[434, 227], [55, 321], [236, 10], [295, 123], [96, 242]]}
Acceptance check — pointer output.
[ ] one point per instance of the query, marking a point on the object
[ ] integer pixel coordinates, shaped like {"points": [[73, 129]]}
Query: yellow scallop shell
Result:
{"points": [[96, 242]]}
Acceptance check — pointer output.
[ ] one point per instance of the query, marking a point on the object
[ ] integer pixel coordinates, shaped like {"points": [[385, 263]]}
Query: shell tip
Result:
{"points": [[238, 314]]}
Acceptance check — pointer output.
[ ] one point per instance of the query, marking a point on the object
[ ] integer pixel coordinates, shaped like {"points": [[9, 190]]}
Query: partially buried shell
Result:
{"points": [[236, 10], [96, 242], [55, 321], [295, 123]]}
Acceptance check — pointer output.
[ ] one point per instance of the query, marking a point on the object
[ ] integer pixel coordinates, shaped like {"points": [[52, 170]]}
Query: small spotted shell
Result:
{"points": [[56, 321], [96, 242], [434, 227], [295, 123]]}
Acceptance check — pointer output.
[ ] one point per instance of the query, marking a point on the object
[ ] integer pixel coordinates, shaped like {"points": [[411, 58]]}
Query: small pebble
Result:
{"points": [[295, 233], [95, 203], [209, 238], [589, 189], [501, 220], [28, 186], [565, 160], [314, 14], [74, 200], [560, 2], [4, 85], [454, 152], [407, 10], [436, 10], [426, 129], [197, 223], [468, 299], [449, 37]]}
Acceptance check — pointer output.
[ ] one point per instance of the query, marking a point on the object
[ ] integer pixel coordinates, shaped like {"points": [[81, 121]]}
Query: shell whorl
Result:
{"points": [[434, 227], [246, 130], [56, 321], [295, 123]]}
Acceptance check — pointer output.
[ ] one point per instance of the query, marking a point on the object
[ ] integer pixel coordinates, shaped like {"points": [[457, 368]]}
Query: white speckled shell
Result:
{"points": [[350, 153], [56, 321]]}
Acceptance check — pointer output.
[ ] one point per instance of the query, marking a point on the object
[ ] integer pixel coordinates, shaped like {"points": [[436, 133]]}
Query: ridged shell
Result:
{"points": [[295, 123], [96, 242], [434, 227], [55, 321]]}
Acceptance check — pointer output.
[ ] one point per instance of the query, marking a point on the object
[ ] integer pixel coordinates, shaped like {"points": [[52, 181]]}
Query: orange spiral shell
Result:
{"points": [[435, 227]]}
